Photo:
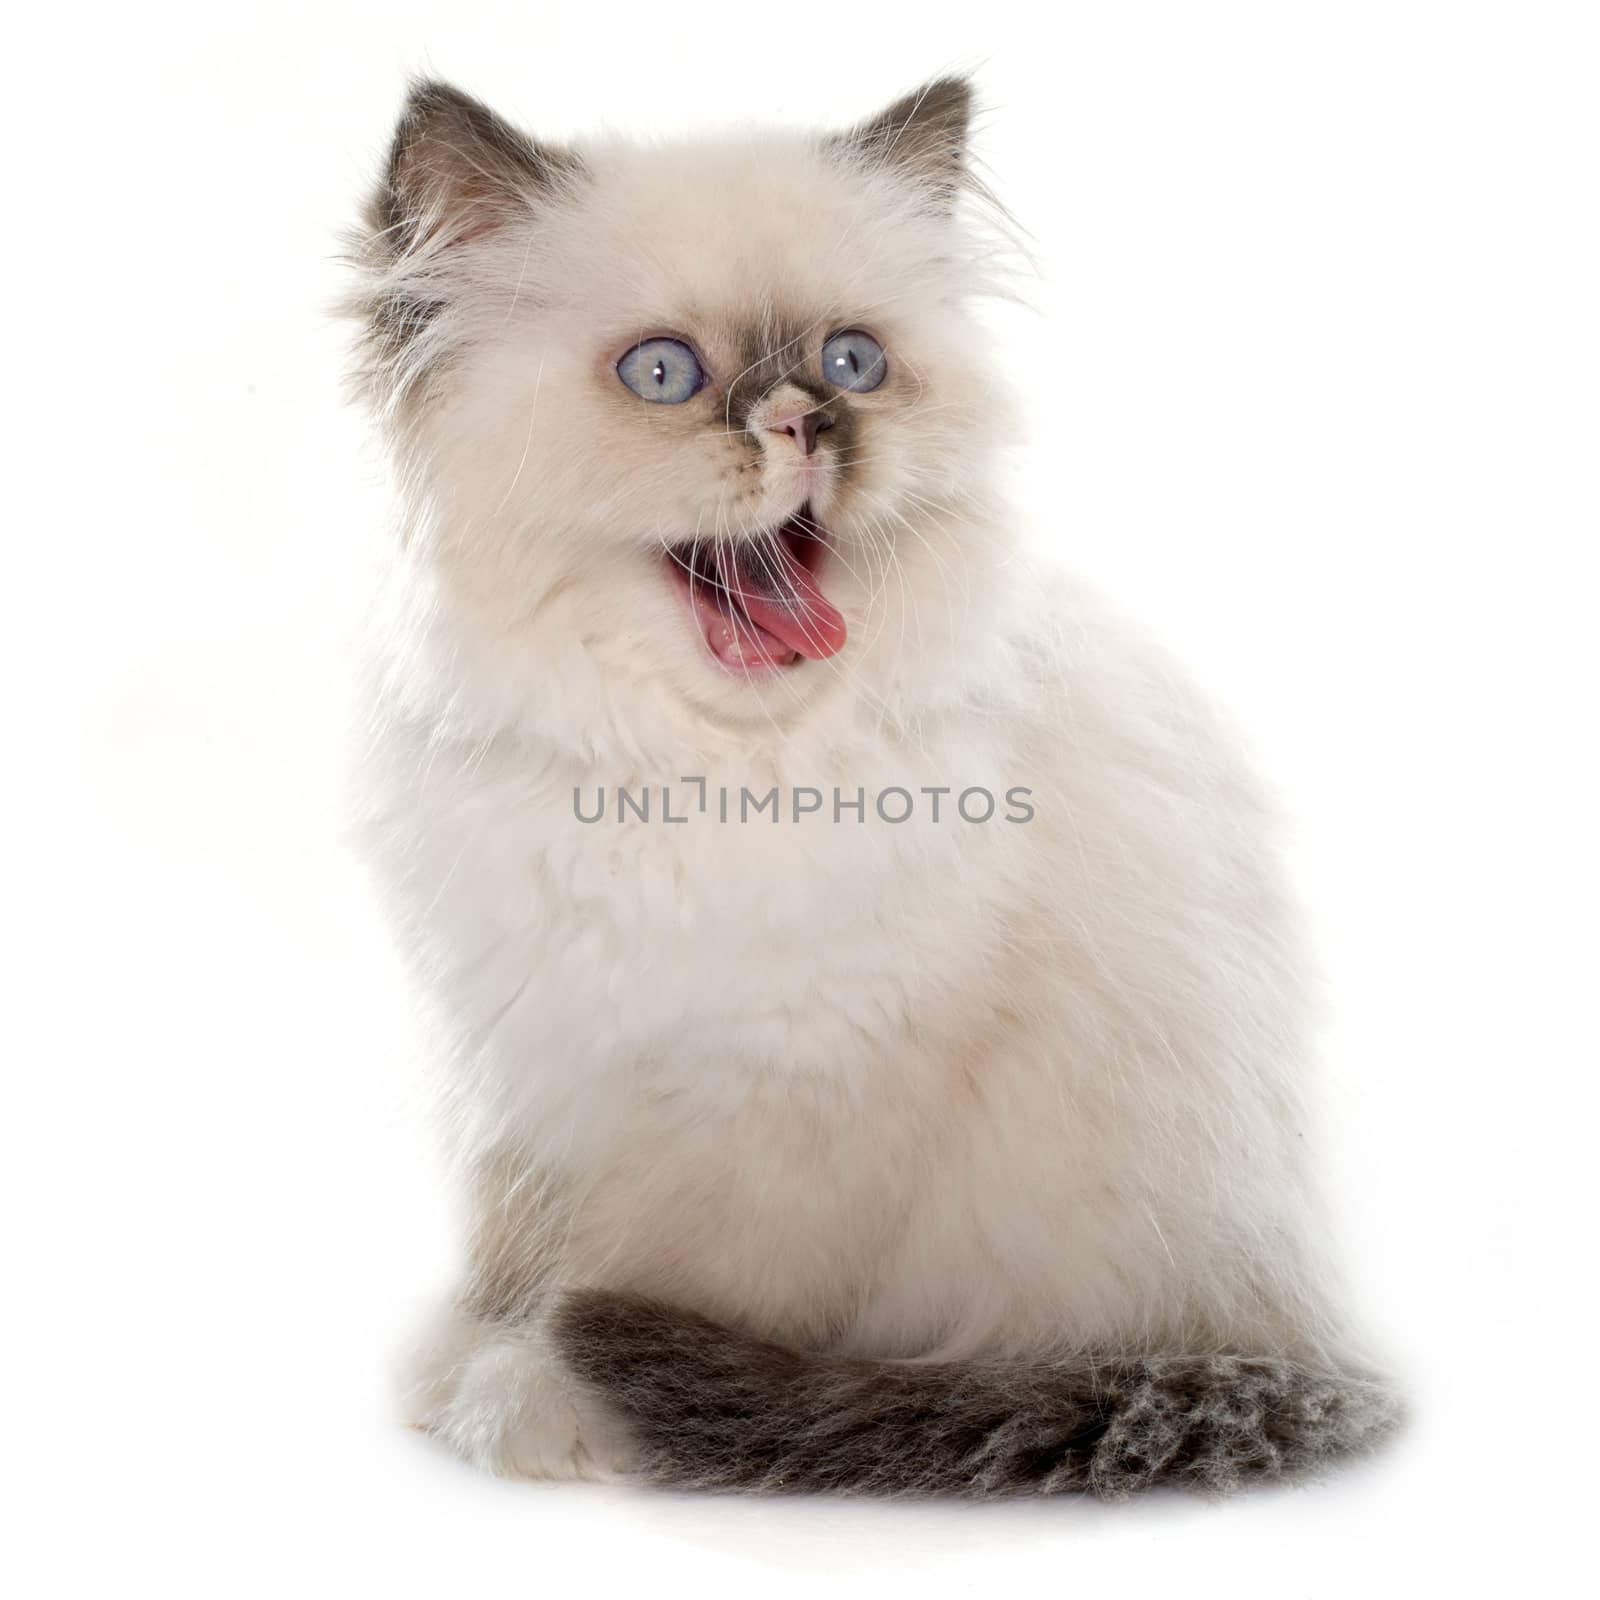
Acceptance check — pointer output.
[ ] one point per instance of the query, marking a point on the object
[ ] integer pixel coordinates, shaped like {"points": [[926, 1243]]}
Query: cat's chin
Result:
{"points": [[755, 602]]}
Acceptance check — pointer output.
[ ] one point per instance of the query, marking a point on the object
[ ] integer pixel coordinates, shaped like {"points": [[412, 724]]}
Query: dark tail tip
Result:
{"points": [[714, 1408]]}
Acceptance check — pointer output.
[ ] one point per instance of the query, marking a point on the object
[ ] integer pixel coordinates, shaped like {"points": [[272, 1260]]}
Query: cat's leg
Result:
{"points": [[497, 1393], [485, 1376]]}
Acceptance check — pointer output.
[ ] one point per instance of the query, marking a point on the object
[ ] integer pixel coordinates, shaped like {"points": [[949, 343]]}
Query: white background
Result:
{"points": [[1313, 387]]}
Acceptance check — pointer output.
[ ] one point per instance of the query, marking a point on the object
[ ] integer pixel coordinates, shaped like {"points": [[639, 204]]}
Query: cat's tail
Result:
{"points": [[711, 1408]]}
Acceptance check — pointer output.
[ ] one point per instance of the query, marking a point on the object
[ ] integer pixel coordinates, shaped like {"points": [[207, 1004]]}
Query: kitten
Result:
{"points": [[883, 1144]]}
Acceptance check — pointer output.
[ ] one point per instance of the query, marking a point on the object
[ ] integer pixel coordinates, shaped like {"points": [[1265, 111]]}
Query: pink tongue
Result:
{"points": [[780, 596]]}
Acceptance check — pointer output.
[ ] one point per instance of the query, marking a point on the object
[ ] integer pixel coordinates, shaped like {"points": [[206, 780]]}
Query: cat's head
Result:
{"points": [[702, 419]]}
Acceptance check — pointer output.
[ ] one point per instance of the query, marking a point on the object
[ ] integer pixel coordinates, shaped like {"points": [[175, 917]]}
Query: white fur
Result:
{"points": [[917, 1090], [500, 1397]]}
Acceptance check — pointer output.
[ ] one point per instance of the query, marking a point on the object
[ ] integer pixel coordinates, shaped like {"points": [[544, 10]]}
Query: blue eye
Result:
{"points": [[854, 360], [663, 370]]}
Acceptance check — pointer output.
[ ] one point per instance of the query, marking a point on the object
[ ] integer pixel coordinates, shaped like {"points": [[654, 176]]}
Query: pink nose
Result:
{"points": [[803, 427]]}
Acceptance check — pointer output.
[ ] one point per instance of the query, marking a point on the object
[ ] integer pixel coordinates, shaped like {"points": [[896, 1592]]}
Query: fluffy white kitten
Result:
{"points": [[809, 1148]]}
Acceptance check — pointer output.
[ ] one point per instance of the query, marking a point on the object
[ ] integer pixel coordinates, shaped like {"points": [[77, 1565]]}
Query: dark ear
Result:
{"points": [[457, 171], [923, 135]]}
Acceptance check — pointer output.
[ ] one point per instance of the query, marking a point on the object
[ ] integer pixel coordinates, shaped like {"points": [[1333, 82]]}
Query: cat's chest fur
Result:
{"points": [[590, 968]]}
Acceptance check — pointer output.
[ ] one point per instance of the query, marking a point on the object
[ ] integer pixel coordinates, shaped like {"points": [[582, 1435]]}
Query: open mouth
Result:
{"points": [[756, 599]]}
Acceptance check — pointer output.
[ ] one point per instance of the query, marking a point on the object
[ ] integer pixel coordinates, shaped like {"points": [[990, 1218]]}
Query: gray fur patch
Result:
{"points": [[923, 134], [454, 165], [712, 1408], [789, 352], [455, 172]]}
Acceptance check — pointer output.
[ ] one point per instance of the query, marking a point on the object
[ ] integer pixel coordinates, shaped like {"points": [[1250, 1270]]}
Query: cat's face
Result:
{"points": [[706, 406]]}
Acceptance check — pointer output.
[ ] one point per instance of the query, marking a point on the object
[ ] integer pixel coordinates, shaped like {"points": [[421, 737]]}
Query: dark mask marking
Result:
{"points": [[788, 352]]}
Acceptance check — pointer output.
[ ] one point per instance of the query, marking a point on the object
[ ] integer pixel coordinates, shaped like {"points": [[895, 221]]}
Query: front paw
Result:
{"points": [[497, 1395]]}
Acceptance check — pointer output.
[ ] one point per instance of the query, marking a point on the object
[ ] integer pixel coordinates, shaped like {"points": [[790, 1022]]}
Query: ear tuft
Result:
{"points": [[456, 171], [923, 135]]}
